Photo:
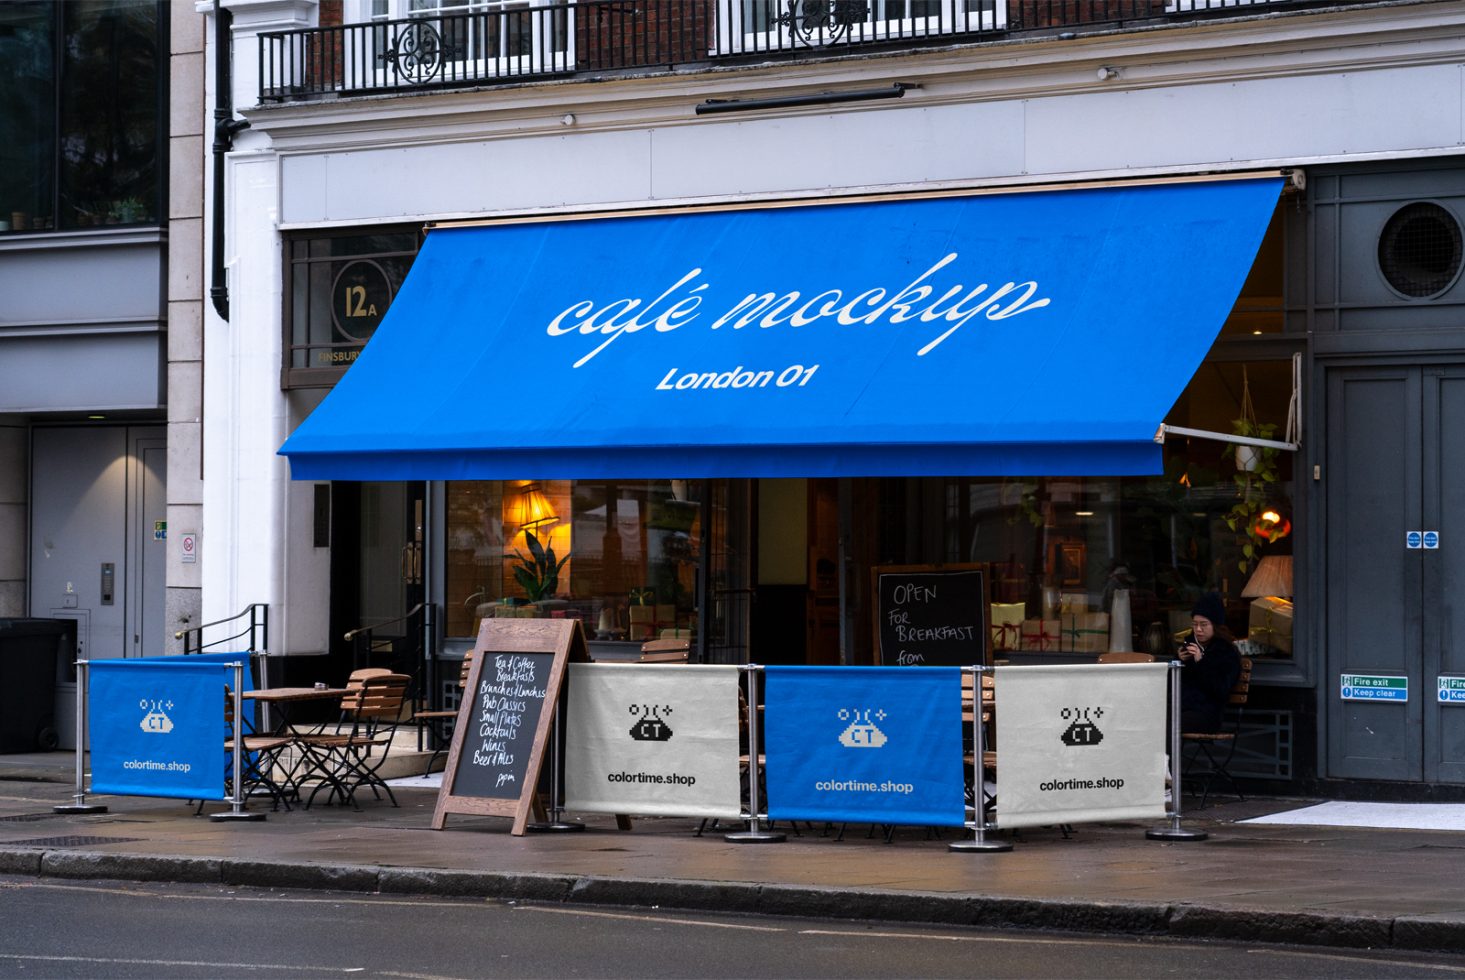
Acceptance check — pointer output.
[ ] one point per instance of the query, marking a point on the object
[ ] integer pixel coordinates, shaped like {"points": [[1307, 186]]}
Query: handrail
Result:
{"points": [[424, 676], [351, 634], [257, 629]]}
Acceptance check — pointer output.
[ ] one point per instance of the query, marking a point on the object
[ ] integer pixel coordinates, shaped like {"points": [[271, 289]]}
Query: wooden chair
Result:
{"points": [[259, 754], [1207, 755], [440, 721], [347, 760], [672, 650], [1125, 657]]}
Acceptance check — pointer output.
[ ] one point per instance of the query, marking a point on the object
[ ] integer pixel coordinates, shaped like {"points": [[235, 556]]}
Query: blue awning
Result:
{"points": [[1022, 334]]}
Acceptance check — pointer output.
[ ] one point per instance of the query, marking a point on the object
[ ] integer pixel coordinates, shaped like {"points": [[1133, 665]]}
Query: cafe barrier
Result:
{"points": [[155, 727], [1079, 744], [868, 744], [654, 739]]}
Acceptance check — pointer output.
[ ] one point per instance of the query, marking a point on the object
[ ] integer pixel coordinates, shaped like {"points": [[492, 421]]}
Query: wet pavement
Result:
{"points": [[1300, 884]]}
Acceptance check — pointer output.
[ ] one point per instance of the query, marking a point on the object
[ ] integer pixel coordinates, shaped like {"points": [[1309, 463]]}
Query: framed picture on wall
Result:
{"points": [[1067, 562]]}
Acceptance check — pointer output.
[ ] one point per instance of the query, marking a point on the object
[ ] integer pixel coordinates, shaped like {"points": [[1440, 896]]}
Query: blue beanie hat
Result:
{"points": [[1211, 607]]}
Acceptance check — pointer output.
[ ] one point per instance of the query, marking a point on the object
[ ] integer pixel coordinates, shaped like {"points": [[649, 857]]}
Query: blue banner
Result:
{"points": [[157, 726], [865, 744]]}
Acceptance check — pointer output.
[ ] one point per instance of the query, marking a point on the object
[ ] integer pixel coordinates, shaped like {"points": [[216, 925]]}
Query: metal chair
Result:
{"points": [[1207, 755]]}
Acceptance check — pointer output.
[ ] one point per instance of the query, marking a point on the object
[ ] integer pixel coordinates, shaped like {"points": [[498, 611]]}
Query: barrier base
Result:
{"points": [[554, 827], [979, 845], [250, 816], [79, 808], [1175, 834], [755, 837]]}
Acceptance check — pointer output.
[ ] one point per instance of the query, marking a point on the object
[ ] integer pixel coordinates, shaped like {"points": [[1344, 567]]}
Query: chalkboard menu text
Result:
{"points": [[931, 615], [504, 721]]}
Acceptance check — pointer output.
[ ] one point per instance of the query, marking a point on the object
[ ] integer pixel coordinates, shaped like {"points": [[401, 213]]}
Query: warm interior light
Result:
{"points": [[1084, 513], [536, 510], [96, 418], [1273, 577]]}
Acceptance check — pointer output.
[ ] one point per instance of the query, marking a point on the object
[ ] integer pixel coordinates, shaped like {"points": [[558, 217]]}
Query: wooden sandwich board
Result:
{"points": [[506, 718]]}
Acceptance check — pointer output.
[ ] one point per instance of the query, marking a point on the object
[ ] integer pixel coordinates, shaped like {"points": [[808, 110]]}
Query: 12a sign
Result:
{"points": [[1374, 687]]}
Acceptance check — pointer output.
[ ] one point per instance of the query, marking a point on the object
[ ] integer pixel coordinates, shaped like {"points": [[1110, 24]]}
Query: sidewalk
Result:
{"points": [[1396, 889]]}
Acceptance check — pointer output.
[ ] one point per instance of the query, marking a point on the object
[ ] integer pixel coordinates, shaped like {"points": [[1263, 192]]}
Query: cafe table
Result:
{"points": [[277, 702]]}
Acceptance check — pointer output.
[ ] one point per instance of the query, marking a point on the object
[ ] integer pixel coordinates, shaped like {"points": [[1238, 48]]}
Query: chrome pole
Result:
{"points": [[236, 810], [1175, 832], [79, 803], [556, 772], [979, 841], [754, 834]]}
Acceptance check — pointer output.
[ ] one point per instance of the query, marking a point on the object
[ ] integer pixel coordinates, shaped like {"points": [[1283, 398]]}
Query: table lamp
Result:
{"points": [[1270, 588]]}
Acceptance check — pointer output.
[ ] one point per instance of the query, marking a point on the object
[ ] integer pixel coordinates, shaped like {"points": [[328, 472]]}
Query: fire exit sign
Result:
{"points": [[1374, 687]]}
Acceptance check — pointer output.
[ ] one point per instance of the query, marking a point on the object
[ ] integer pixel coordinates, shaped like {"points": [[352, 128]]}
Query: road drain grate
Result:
{"points": [[72, 840]]}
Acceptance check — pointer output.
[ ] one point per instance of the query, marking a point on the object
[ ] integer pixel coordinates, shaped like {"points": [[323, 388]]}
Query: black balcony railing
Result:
{"points": [[527, 42]]}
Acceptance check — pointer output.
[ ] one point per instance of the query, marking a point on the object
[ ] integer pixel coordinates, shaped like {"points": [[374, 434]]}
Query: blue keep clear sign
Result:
{"points": [[1450, 690], [1374, 687], [865, 744]]}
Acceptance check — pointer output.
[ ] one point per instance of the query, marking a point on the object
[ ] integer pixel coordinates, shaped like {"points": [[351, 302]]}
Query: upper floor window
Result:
{"points": [[418, 41], [1180, 5], [769, 25], [81, 99]]}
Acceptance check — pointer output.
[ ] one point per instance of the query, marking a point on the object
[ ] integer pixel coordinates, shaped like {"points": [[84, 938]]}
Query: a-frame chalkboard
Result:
{"points": [[506, 716]]}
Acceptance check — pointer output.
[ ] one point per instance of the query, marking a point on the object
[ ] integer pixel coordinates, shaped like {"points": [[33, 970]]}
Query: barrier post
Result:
{"points": [[755, 834], [1175, 832], [979, 841], [80, 805], [556, 772], [236, 810]]}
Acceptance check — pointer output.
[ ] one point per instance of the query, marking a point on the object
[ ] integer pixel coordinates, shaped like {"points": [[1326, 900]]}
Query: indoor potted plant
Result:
{"points": [[538, 573]]}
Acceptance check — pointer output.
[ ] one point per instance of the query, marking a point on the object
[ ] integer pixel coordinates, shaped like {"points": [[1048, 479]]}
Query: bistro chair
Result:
{"points": [[671, 650], [439, 722], [1125, 657], [352, 756], [260, 753], [1207, 755]]}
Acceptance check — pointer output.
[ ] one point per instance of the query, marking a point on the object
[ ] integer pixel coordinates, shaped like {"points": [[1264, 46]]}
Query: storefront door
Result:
{"points": [[1394, 472], [377, 575]]}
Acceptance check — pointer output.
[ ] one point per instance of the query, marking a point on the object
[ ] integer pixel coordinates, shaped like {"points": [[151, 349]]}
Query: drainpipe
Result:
{"points": [[225, 126]]}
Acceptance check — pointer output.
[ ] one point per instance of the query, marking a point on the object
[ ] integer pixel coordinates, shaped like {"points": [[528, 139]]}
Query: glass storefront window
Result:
{"points": [[620, 556], [1061, 549]]}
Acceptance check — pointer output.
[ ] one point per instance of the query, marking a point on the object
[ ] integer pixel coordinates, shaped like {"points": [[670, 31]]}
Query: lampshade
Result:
{"points": [[1273, 577], [535, 509]]}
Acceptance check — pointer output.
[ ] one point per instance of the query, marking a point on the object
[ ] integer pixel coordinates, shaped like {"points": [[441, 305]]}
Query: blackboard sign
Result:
{"points": [[931, 615], [505, 719], [508, 701]]}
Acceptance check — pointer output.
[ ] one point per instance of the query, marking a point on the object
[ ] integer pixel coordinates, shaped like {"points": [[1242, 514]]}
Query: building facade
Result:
{"points": [[370, 121], [95, 95]]}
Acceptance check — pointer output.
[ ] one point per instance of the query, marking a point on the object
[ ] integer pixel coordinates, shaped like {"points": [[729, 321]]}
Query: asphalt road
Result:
{"points": [[108, 929]]}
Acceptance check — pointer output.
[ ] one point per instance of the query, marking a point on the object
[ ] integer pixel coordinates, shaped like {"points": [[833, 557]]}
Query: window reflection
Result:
{"points": [[620, 556]]}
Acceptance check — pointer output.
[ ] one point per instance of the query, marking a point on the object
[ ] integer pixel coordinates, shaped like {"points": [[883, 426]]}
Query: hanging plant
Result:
{"points": [[1255, 478]]}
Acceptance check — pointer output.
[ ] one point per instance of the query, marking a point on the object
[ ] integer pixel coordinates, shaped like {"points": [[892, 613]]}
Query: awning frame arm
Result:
{"points": [[1293, 435]]}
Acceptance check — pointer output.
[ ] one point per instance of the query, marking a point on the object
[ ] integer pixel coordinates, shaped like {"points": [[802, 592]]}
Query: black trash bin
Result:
{"points": [[30, 650]]}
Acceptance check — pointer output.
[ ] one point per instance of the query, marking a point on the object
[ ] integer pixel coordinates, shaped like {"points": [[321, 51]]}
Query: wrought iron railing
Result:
{"points": [[420, 657], [253, 622], [440, 50]]}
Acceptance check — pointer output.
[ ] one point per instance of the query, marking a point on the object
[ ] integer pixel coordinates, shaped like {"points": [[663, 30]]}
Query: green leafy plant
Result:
{"points": [[538, 573], [1252, 488]]}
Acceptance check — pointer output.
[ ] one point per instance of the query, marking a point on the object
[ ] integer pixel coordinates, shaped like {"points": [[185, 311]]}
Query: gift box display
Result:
{"points": [[1006, 623], [1072, 603], [1270, 623], [1085, 632], [1042, 635]]}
